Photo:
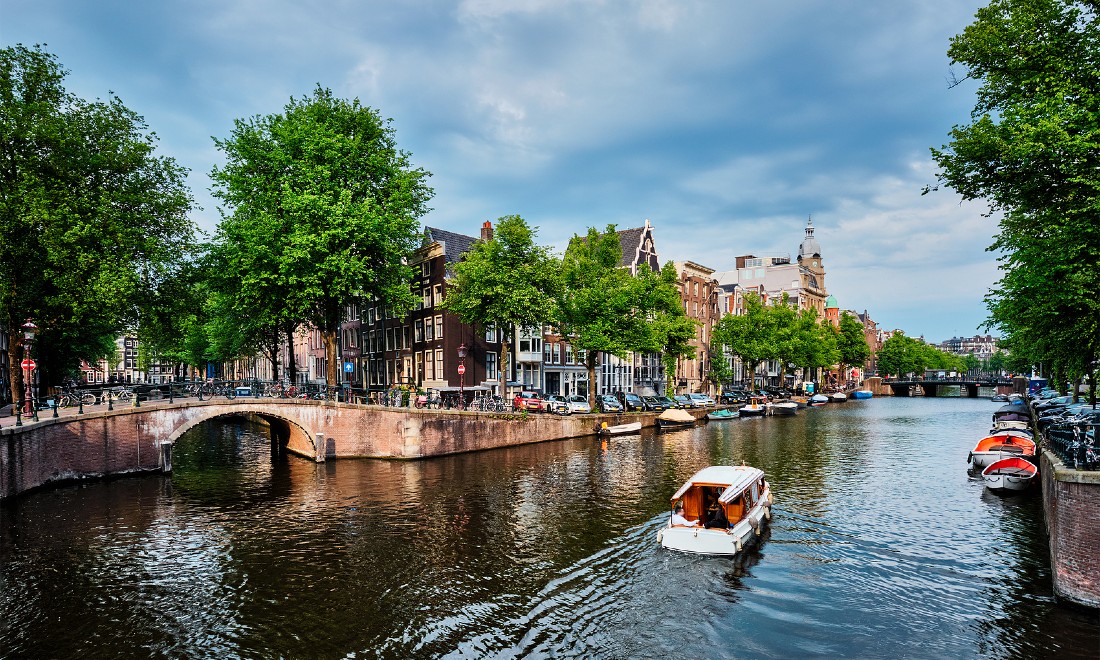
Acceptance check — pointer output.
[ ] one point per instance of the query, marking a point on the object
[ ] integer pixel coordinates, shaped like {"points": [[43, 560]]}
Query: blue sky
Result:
{"points": [[726, 124]]}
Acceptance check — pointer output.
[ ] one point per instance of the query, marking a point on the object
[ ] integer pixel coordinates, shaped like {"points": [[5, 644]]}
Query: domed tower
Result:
{"points": [[812, 269], [832, 311]]}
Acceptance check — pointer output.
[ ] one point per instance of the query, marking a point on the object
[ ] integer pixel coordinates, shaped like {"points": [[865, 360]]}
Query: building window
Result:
{"points": [[439, 327], [427, 296], [419, 331], [490, 335], [429, 330], [439, 363], [546, 349], [429, 365], [437, 293], [490, 365]]}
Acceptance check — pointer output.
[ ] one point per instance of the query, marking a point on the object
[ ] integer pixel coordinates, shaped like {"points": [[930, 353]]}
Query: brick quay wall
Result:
{"points": [[1071, 499]]}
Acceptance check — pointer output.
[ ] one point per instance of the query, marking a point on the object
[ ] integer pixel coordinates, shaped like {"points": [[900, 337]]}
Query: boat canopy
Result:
{"points": [[734, 478]]}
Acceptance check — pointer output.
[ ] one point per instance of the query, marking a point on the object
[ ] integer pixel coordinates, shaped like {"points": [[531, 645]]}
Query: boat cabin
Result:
{"points": [[721, 495]]}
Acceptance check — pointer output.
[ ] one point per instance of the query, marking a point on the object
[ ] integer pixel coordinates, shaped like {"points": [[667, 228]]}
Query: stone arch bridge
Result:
{"points": [[128, 440]]}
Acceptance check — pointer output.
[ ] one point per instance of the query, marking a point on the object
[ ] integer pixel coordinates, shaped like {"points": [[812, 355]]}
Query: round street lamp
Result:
{"points": [[462, 352], [29, 329]]}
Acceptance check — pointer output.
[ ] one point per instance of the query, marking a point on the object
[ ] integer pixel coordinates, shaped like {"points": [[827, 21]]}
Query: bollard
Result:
{"points": [[19, 414], [170, 390], [54, 408], [79, 410], [110, 401]]}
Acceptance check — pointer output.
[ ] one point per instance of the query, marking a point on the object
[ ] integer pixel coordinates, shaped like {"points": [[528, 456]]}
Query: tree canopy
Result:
{"points": [[322, 209], [505, 282], [1031, 152], [92, 221]]}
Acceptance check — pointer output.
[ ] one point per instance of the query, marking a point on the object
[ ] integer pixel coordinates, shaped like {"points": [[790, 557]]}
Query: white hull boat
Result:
{"points": [[838, 397], [754, 408], [784, 408], [731, 505], [1010, 474], [993, 448], [619, 429]]}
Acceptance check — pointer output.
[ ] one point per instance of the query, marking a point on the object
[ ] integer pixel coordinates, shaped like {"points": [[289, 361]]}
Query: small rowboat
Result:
{"points": [[993, 448], [619, 429], [722, 415], [725, 507], [784, 408], [1010, 474]]}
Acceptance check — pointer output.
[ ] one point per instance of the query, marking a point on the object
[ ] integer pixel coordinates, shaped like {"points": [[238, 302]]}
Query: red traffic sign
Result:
{"points": [[461, 369], [28, 364]]}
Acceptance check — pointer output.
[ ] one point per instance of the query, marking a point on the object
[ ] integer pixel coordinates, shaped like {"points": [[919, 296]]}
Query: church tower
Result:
{"points": [[812, 270]]}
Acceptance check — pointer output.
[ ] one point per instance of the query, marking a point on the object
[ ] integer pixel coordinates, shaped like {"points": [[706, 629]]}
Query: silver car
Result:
{"points": [[578, 404]]}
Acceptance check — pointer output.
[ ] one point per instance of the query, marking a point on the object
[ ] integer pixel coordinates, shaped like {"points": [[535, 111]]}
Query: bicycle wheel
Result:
{"points": [[87, 398], [230, 393]]}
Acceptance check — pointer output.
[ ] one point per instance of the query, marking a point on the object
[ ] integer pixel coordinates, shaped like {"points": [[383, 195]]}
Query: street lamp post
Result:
{"points": [[462, 351], [29, 329]]}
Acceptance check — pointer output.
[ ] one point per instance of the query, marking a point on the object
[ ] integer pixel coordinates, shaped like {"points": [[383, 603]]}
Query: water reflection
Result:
{"points": [[545, 550]]}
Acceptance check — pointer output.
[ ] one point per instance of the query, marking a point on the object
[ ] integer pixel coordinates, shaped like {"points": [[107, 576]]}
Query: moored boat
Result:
{"points": [[819, 400], [800, 401], [756, 407], [619, 429], [675, 418], [784, 408], [838, 397], [1010, 474], [1003, 424], [862, 394], [725, 508], [995, 447], [722, 415], [999, 398]]}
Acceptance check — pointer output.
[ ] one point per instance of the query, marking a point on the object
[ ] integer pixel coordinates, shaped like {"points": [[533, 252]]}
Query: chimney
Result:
{"points": [[487, 231]]}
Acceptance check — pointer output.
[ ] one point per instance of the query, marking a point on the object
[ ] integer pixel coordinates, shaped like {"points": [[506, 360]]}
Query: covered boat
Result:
{"points": [[995, 447], [784, 408], [819, 400], [675, 418], [862, 394], [619, 429], [1003, 424], [756, 407], [722, 415], [838, 397], [1009, 474], [726, 507]]}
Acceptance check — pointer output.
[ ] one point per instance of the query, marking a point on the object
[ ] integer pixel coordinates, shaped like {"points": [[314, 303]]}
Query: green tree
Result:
{"points": [[1030, 151], [92, 221], [851, 342], [719, 369], [601, 306], [670, 331], [901, 355], [749, 336], [506, 282], [323, 211], [788, 339]]}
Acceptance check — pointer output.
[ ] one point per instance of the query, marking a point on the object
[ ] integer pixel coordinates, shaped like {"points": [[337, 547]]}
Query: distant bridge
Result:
{"points": [[140, 439], [936, 386]]}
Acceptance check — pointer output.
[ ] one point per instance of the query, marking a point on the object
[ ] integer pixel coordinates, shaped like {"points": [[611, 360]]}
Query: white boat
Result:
{"points": [[819, 400], [730, 505], [1006, 425], [1012, 473], [993, 448], [619, 429], [838, 397], [756, 407], [784, 408], [675, 418]]}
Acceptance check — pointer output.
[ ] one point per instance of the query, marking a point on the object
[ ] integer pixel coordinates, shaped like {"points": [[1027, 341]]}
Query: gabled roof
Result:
{"points": [[454, 245], [631, 241]]}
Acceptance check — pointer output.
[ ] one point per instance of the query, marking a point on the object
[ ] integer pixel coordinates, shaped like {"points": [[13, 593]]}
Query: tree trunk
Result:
{"points": [[505, 354], [590, 364], [331, 374], [292, 364]]}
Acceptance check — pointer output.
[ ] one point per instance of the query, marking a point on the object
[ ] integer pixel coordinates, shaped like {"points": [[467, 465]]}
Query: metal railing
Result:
{"points": [[1075, 444]]}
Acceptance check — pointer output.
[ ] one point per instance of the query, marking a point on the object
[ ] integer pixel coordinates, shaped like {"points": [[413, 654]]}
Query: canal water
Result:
{"points": [[881, 546]]}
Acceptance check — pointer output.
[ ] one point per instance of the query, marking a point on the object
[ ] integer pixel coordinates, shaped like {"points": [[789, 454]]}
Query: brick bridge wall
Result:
{"points": [[1071, 499], [129, 440]]}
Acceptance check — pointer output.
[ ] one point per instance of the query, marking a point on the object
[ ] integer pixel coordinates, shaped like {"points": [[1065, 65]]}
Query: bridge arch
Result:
{"points": [[289, 431]]}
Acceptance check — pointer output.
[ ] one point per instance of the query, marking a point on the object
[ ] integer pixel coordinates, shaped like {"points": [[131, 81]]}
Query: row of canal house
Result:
{"points": [[421, 349], [379, 351]]}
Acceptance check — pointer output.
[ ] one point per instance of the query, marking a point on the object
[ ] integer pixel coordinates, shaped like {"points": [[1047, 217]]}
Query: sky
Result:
{"points": [[727, 124]]}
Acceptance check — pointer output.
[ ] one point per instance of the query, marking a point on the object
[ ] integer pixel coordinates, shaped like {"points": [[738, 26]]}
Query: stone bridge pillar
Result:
{"points": [[166, 456]]}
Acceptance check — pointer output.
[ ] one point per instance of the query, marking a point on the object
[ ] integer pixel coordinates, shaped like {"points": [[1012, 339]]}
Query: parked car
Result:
{"points": [[578, 404], [668, 402], [528, 401], [730, 397], [701, 400], [653, 403], [608, 404], [631, 401], [683, 401], [556, 403]]}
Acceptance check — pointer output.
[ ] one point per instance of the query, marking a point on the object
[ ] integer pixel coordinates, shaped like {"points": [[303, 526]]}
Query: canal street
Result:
{"points": [[881, 545]]}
